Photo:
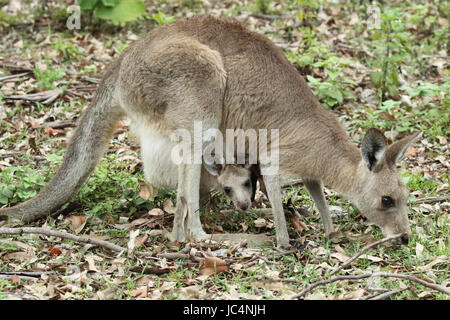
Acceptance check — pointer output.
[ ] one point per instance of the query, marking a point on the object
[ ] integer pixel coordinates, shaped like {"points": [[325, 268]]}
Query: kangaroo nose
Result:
{"points": [[244, 207], [404, 239]]}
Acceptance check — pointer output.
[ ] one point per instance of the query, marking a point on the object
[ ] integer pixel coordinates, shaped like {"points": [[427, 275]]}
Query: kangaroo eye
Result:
{"points": [[247, 184], [227, 190], [387, 202]]}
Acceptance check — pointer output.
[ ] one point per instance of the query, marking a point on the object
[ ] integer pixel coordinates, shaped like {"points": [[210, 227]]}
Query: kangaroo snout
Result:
{"points": [[404, 239]]}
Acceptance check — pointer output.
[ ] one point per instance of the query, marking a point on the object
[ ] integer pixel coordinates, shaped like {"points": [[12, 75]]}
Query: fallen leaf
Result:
{"points": [[212, 265], [147, 191], [140, 241], [260, 222], [139, 293], [298, 224], [169, 207], [54, 252], [419, 250], [91, 264], [78, 223], [53, 132], [132, 242], [14, 278], [438, 260], [156, 212]]}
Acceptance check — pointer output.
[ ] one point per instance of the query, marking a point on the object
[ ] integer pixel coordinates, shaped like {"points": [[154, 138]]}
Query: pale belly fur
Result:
{"points": [[159, 169]]}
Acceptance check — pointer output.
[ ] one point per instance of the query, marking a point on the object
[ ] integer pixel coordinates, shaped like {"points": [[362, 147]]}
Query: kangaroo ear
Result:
{"points": [[373, 147], [214, 168], [397, 150]]}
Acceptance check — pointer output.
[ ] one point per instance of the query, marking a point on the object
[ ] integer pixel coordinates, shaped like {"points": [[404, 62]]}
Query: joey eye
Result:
{"points": [[227, 190], [387, 202], [247, 184]]}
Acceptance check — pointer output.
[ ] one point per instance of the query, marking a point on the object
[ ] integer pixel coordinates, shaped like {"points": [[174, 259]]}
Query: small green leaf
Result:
{"points": [[124, 11], [87, 5], [109, 3], [376, 78]]}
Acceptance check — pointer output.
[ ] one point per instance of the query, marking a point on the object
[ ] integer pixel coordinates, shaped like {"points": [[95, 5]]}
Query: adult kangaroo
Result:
{"points": [[217, 72]]}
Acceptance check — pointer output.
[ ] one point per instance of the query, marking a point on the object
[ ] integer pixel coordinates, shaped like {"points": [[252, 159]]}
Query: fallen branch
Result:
{"points": [[436, 287], [366, 248], [385, 295], [13, 76], [65, 235], [430, 200], [45, 97]]}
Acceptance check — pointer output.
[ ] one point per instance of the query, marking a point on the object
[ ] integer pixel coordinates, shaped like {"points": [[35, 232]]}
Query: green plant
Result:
{"points": [[391, 43], [47, 77], [118, 11], [160, 18], [19, 184], [311, 53], [66, 49]]}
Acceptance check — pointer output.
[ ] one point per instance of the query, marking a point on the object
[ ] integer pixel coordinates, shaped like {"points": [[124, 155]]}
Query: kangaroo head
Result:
{"points": [[382, 196], [238, 182]]}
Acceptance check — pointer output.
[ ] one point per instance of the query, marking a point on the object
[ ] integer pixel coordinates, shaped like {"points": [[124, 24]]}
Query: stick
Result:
{"points": [[366, 248], [369, 275], [384, 296], [13, 76], [430, 200], [65, 235]]}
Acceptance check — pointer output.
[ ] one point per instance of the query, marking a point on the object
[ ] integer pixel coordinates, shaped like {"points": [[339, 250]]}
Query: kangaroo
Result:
{"points": [[217, 72]]}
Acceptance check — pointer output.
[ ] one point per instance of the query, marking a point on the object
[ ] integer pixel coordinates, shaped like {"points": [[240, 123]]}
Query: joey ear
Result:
{"points": [[214, 168], [397, 150], [373, 147], [254, 180]]}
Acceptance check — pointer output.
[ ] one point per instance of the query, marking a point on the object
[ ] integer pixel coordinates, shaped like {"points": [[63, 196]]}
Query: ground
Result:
{"points": [[383, 66]]}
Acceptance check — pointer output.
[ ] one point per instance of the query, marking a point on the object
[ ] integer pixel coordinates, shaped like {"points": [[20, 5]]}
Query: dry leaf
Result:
{"points": [[14, 278], [212, 265], [438, 260], [132, 242], [51, 131], [298, 224], [169, 207], [139, 293], [147, 191], [156, 212], [78, 223], [260, 222], [140, 241], [54, 252]]}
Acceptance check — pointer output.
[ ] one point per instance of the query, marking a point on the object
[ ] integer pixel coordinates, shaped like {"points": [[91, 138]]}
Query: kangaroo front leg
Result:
{"points": [[273, 189], [316, 191]]}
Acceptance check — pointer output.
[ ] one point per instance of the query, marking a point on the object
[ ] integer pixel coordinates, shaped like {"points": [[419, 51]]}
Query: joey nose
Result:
{"points": [[404, 239], [244, 207]]}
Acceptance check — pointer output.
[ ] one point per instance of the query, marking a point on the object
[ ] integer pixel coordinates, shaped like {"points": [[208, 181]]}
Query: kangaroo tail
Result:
{"points": [[87, 145]]}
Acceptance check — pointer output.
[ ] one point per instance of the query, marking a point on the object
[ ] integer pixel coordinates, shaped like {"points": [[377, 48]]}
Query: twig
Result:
{"points": [[369, 275], [385, 295], [268, 17], [23, 278], [13, 76], [25, 273], [59, 124], [366, 248], [430, 200], [65, 235], [46, 97]]}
